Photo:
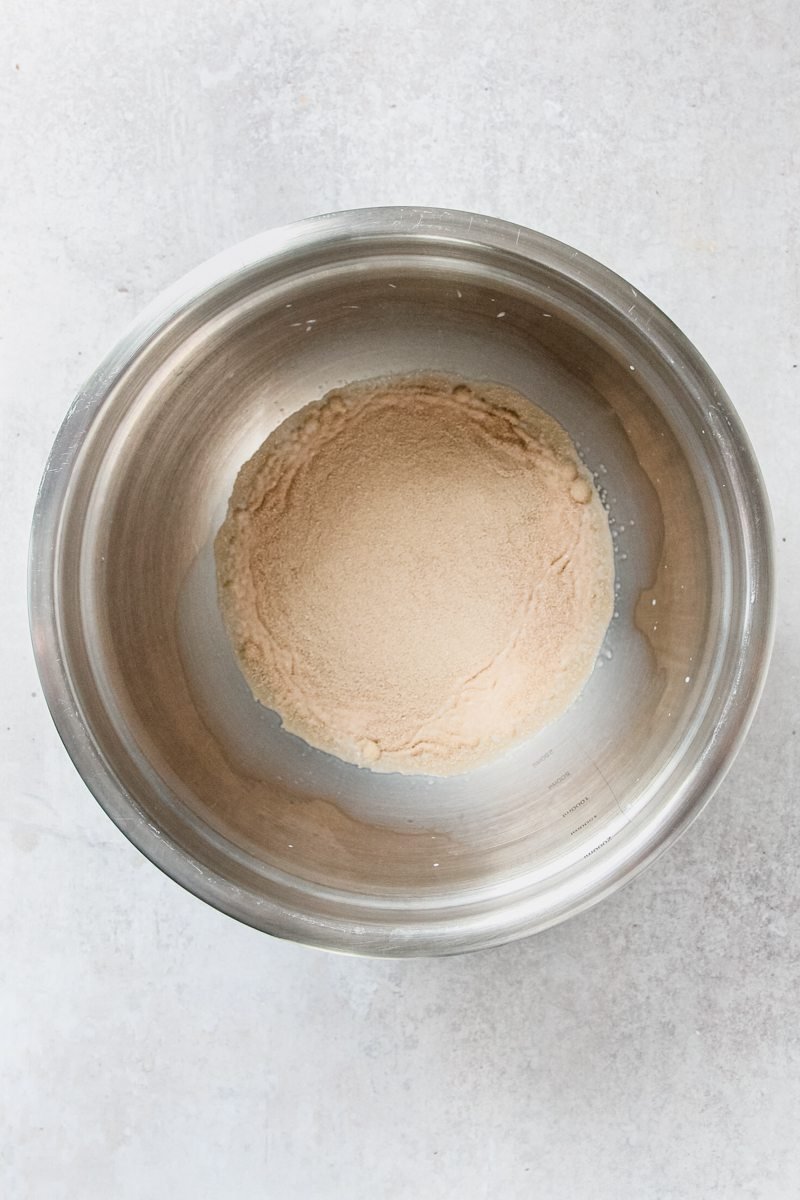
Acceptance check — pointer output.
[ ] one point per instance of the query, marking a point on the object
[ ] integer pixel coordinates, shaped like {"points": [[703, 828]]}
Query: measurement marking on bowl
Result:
{"points": [[547, 754], [599, 846], [559, 779], [579, 804], [578, 828]]}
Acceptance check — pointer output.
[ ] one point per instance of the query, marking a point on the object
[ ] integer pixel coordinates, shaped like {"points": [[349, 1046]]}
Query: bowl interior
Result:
{"points": [[281, 828]]}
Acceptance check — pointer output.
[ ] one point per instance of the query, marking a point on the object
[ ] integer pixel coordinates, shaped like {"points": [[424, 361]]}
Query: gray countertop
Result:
{"points": [[150, 1046]]}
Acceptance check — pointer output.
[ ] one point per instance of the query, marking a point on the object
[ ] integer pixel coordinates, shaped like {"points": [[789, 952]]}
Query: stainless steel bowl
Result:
{"points": [[138, 671]]}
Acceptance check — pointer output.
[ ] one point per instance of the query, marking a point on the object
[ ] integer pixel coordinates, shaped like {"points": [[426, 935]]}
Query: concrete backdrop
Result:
{"points": [[151, 1047]]}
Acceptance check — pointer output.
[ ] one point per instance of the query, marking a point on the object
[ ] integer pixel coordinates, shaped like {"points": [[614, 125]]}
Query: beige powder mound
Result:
{"points": [[416, 573]]}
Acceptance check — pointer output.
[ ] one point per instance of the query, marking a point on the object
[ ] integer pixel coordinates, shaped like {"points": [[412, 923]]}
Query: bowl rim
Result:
{"points": [[631, 854]]}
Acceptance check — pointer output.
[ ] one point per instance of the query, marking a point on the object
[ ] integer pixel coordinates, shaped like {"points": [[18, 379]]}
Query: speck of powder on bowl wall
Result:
{"points": [[416, 572]]}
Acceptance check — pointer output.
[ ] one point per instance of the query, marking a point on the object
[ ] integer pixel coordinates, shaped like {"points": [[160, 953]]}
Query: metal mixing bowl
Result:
{"points": [[141, 679]]}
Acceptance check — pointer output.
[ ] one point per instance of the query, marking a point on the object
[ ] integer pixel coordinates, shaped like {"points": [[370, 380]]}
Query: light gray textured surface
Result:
{"points": [[150, 1046]]}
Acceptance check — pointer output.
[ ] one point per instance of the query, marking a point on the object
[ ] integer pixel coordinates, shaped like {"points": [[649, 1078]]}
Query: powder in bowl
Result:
{"points": [[416, 572]]}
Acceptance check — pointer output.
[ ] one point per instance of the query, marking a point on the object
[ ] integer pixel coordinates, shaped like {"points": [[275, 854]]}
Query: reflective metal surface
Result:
{"points": [[138, 670]]}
